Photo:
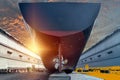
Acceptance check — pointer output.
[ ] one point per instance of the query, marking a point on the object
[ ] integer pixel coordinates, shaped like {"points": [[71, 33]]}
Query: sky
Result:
{"points": [[107, 21]]}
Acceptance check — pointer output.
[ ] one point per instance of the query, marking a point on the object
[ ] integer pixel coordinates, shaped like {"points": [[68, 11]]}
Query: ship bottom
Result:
{"points": [[64, 51]]}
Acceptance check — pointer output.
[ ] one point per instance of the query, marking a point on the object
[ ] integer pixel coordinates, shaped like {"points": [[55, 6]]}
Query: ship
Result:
{"points": [[63, 28]]}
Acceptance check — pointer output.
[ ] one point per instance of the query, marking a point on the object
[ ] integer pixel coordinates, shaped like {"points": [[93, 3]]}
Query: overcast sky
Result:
{"points": [[107, 21]]}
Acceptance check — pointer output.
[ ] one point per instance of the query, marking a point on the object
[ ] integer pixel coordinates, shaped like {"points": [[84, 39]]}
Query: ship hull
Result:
{"points": [[62, 28]]}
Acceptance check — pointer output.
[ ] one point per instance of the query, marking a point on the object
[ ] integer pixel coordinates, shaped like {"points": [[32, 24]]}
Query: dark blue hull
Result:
{"points": [[62, 28]]}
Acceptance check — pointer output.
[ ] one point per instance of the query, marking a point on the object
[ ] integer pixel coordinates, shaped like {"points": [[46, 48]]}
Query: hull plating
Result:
{"points": [[63, 28]]}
